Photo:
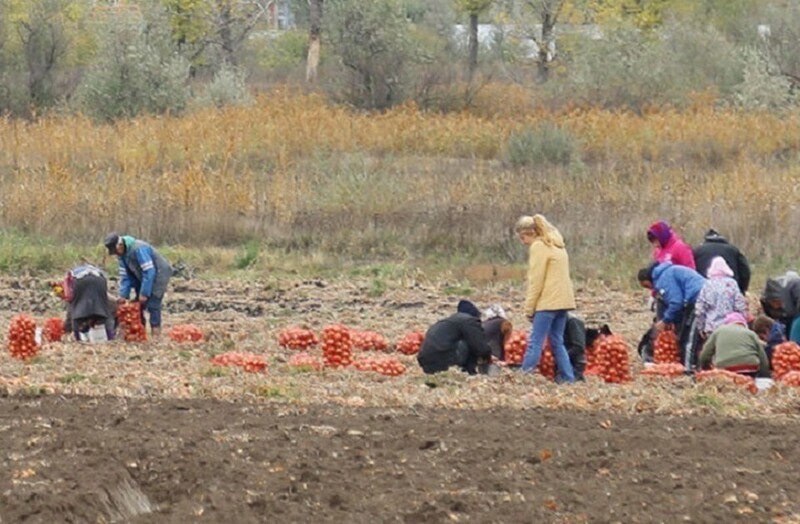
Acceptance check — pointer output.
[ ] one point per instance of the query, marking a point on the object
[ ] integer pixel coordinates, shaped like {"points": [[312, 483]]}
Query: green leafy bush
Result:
{"points": [[545, 143], [138, 70], [227, 88]]}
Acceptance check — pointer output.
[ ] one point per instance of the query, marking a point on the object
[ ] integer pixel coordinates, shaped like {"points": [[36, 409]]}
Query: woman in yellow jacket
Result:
{"points": [[549, 294]]}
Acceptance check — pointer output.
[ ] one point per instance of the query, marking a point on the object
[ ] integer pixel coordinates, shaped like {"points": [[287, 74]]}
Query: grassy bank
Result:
{"points": [[303, 183], [456, 274]]}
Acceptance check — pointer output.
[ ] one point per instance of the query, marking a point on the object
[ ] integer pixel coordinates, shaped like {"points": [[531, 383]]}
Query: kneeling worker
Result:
{"points": [[734, 347], [458, 340]]}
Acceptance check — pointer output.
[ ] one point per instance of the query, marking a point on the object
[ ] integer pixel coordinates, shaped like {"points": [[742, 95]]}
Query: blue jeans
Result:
{"points": [[153, 307], [552, 324]]}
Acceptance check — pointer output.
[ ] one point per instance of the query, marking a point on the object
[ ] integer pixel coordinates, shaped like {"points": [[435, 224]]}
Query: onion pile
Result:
{"points": [[785, 358], [337, 346], [129, 315], [296, 338], [186, 333], [22, 337], [724, 376], [369, 341], [410, 343], [247, 361], [665, 348]]}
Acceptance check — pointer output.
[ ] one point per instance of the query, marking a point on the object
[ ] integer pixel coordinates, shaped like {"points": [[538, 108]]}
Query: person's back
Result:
{"points": [[457, 340], [715, 245], [735, 348], [719, 297], [141, 256], [678, 285], [86, 292], [550, 285], [497, 330]]}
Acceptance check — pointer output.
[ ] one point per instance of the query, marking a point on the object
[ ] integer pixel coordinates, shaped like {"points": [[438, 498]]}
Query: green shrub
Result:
{"points": [[248, 256], [370, 41], [227, 88], [286, 50], [546, 143], [138, 70], [761, 88], [628, 68]]}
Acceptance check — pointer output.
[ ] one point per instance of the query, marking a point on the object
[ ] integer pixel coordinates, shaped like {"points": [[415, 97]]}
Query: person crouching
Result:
{"points": [[736, 348], [458, 340], [85, 289]]}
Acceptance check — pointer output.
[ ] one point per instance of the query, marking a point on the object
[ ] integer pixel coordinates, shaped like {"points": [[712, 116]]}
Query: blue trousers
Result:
{"points": [[549, 324]]}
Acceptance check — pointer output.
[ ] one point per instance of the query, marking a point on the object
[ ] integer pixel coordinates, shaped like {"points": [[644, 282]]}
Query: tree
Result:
{"points": [[220, 26], [314, 39], [547, 11], [371, 41], [780, 42], [474, 8], [137, 70], [44, 45]]}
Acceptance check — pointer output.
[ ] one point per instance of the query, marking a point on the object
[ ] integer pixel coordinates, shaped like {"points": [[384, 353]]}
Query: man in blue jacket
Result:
{"points": [[143, 270], [677, 287]]}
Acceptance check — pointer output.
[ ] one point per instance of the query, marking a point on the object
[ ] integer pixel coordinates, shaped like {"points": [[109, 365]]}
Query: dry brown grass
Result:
{"points": [[299, 172]]}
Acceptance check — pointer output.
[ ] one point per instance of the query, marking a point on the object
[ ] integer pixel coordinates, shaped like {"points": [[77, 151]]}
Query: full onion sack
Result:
{"points": [[337, 346], [22, 337]]}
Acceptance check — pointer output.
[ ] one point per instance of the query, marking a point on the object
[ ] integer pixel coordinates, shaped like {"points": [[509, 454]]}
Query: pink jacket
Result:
{"points": [[671, 247]]}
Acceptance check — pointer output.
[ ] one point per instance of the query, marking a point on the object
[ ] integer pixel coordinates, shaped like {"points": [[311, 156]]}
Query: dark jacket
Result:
{"points": [[575, 342], [716, 245], [456, 340], [776, 336], [496, 330], [786, 289], [88, 300], [142, 269]]}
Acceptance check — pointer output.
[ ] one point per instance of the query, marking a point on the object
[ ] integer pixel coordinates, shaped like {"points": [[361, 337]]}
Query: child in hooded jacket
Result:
{"points": [[719, 297]]}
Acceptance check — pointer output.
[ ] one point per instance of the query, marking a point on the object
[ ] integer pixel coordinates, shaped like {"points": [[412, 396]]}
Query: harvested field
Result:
{"points": [[155, 433]]}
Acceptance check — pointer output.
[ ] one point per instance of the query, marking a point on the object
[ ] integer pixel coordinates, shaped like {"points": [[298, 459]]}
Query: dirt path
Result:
{"points": [[105, 459]]}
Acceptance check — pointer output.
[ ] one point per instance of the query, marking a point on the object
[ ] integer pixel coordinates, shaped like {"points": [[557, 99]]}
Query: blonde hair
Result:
{"points": [[541, 229]]}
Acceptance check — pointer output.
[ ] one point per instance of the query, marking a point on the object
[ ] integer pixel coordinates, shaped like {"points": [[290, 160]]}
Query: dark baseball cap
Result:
{"points": [[111, 241]]}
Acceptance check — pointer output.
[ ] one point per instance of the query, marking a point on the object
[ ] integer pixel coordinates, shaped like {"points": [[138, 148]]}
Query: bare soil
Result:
{"points": [[108, 459], [154, 433]]}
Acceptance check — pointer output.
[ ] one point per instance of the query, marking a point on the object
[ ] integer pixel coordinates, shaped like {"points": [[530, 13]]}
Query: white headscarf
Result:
{"points": [[494, 311]]}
